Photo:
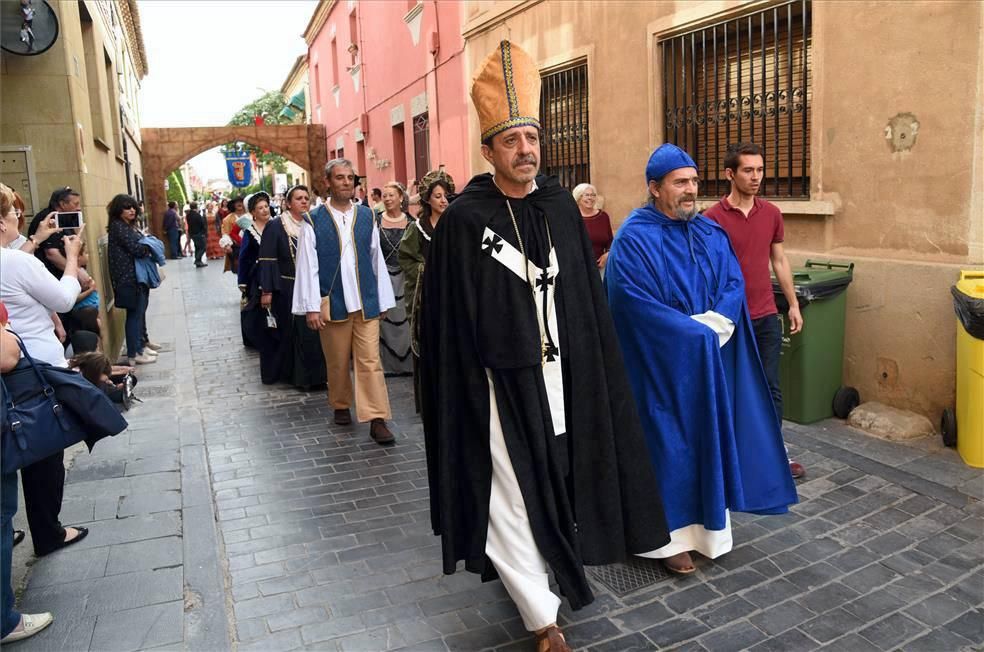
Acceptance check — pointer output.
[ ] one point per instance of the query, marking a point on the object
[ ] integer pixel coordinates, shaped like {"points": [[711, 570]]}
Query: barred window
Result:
{"points": [[746, 79], [565, 151]]}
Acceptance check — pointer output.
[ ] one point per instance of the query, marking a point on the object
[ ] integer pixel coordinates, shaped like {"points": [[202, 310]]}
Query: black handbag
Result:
{"points": [[45, 409]]}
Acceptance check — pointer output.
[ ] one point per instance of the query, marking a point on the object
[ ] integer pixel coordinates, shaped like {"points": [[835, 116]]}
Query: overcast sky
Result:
{"points": [[207, 58]]}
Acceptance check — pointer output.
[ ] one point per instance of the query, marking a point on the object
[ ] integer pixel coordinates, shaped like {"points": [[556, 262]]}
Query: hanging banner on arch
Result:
{"points": [[239, 168]]}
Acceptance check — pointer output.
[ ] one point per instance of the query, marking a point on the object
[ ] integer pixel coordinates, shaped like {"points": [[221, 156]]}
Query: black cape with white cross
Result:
{"points": [[590, 491]]}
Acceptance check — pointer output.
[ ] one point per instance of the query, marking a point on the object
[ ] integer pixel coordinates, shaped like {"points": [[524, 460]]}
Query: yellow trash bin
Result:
{"points": [[968, 428]]}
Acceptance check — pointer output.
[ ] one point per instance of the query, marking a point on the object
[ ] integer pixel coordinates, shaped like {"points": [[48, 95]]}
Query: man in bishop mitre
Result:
{"points": [[535, 454]]}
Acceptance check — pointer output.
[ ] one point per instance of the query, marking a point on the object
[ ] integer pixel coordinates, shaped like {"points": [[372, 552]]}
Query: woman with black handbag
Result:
{"points": [[14, 625], [31, 294]]}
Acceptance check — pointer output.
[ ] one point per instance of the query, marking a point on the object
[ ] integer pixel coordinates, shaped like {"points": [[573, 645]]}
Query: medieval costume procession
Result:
{"points": [[492, 326]]}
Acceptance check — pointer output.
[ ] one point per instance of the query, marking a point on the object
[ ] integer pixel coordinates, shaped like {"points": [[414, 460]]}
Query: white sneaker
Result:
{"points": [[151, 352], [30, 625], [143, 358], [153, 346]]}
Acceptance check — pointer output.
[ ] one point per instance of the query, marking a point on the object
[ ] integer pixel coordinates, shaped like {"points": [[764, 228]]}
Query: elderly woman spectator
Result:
{"points": [[394, 331], [597, 222], [436, 189], [30, 294], [124, 248]]}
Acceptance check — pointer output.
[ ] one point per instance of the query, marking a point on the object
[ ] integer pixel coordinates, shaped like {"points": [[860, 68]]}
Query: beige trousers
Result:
{"points": [[355, 341]]}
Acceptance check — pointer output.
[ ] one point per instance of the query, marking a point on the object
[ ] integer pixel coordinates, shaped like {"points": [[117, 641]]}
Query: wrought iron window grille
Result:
{"points": [[565, 150], [745, 79]]}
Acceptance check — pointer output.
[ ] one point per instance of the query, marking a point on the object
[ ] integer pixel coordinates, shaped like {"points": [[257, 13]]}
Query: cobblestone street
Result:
{"points": [[233, 514]]}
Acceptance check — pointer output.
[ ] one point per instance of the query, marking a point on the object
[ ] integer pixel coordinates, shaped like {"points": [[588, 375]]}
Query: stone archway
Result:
{"points": [[165, 149]]}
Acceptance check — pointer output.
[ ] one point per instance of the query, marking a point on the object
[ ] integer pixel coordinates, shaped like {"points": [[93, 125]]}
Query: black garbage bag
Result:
{"points": [[970, 312], [807, 293]]}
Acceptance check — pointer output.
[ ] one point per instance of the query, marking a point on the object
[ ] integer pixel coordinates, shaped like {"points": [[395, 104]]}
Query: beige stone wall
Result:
{"points": [[909, 220], [612, 36], [45, 104]]}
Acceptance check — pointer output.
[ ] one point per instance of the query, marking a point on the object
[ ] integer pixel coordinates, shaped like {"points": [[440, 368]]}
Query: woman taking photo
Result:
{"points": [[124, 249], [46, 228], [436, 189], [297, 357], [31, 294], [252, 316], [394, 331], [596, 221]]}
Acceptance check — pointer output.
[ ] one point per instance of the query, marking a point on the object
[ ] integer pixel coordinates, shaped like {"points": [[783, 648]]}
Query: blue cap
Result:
{"points": [[665, 159]]}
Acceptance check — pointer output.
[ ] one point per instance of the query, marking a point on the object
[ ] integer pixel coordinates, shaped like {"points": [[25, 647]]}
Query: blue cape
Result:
{"points": [[712, 431]]}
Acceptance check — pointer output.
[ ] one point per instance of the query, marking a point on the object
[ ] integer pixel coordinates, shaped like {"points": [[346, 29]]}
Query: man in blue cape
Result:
{"points": [[678, 300]]}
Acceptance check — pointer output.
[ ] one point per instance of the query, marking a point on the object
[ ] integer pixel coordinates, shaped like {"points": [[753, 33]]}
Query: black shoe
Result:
{"points": [[380, 433], [83, 533], [343, 417], [200, 265], [18, 537]]}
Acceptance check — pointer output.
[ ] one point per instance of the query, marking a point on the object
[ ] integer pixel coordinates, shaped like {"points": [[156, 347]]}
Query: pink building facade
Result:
{"points": [[387, 80]]}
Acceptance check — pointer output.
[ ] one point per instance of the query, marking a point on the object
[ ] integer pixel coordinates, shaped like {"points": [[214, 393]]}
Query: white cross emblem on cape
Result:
{"points": [[545, 284]]}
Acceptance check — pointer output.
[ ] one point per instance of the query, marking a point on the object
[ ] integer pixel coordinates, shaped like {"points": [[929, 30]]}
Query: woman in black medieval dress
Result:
{"points": [[297, 359], [257, 332]]}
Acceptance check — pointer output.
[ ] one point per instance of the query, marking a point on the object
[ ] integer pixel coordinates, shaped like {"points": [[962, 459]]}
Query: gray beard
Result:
{"points": [[684, 214]]}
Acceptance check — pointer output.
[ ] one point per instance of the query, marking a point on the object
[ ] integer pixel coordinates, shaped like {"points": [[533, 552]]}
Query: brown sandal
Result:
{"points": [[680, 564], [551, 639]]}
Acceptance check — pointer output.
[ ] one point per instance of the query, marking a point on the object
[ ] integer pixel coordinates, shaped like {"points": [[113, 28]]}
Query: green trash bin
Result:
{"points": [[811, 363]]}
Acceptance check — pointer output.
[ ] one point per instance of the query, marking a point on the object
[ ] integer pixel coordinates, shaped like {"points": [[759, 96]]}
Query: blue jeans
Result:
{"points": [[768, 337], [8, 506], [174, 239], [134, 326]]}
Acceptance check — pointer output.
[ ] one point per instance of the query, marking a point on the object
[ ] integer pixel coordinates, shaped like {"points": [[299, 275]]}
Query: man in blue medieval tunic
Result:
{"points": [[536, 458], [343, 290], [678, 300]]}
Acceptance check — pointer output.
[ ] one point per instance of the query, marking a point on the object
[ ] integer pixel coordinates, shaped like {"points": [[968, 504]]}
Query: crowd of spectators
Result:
{"points": [[50, 312]]}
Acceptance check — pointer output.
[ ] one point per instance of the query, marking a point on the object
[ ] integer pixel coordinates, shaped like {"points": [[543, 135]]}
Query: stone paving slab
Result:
{"points": [[149, 574], [321, 540], [328, 542]]}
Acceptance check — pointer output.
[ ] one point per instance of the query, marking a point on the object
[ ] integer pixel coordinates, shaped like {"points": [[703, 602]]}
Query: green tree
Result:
{"points": [[176, 188], [268, 106]]}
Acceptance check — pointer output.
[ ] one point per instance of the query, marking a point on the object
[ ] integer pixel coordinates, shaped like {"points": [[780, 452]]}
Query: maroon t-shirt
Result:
{"points": [[752, 238], [600, 231]]}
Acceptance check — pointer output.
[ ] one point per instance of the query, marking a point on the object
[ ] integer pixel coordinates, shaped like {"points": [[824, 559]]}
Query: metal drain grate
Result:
{"points": [[631, 576], [148, 391]]}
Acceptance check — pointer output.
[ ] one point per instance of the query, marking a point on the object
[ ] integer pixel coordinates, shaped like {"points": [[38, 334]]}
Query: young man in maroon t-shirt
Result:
{"points": [[755, 228]]}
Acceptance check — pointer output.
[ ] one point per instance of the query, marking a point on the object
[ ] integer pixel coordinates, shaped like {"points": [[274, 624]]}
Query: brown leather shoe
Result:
{"points": [[343, 417], [380, 433], [551, 639]]}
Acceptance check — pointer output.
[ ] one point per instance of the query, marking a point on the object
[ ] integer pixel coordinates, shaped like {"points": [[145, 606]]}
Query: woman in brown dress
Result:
{"points": [[212, 248]]}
